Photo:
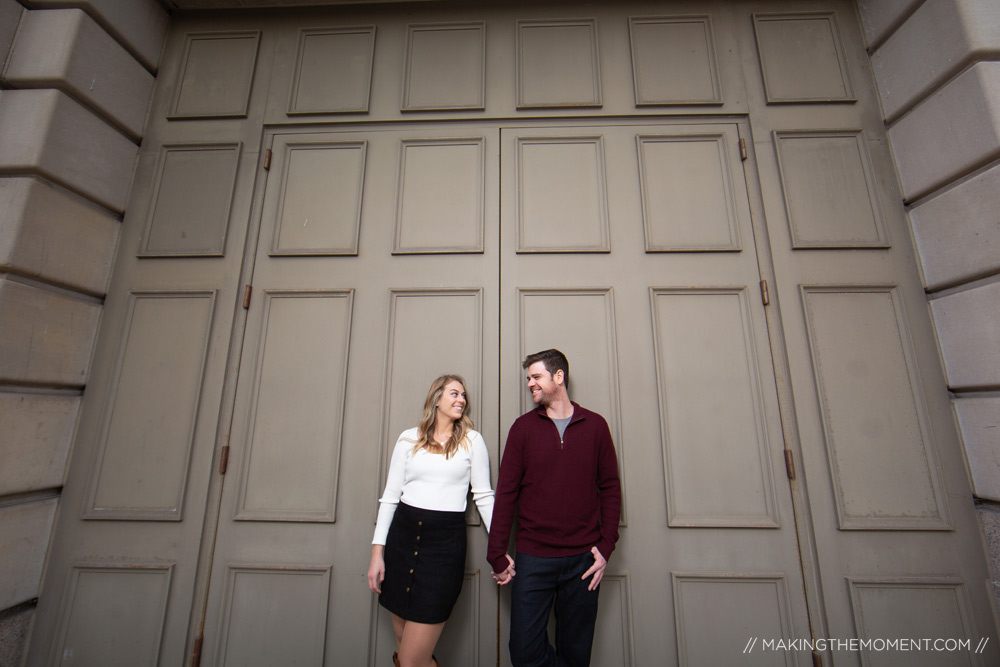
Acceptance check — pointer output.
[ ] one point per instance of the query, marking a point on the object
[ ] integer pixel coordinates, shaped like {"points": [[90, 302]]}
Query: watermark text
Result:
{"points": [[876, 644]]}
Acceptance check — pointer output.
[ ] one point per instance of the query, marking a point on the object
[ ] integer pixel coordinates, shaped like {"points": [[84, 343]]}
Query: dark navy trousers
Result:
{"points": [[539, 584]]}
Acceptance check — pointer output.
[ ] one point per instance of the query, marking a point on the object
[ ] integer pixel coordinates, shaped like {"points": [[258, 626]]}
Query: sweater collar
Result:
{"points": [[577, 412]]}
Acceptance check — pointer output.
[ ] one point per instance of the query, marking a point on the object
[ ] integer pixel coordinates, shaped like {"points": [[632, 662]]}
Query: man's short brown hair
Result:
{"points": [[553, 359]]}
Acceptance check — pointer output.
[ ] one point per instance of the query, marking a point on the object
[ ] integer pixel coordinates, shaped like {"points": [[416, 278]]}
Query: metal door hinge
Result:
{"points": [[789, 464], [743, 148], [267, 159], [764, 296], [247, 291], [196, 652], [224, 460]]}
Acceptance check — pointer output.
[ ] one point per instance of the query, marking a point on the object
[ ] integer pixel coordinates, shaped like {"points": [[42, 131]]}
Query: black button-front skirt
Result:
{"points": [[424, 564]]}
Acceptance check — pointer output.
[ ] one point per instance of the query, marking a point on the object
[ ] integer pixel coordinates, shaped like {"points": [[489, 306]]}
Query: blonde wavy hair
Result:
{"points": [[425, 429]]}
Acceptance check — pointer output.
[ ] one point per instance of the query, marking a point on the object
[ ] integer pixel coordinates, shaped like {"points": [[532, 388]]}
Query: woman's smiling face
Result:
{"points": [[452, 403]]}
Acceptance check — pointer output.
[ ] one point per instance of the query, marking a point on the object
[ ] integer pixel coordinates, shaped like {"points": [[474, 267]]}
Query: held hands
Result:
{"points": [[597, 569], [505, 577], [376, 569]]}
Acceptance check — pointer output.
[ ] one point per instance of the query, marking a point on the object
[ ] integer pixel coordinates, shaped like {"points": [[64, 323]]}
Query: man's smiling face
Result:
{"points": [[542, 385]]}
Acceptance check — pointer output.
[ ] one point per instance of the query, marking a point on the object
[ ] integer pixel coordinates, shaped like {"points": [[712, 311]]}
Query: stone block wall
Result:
{"points": [[75, 84], [937, 66]]}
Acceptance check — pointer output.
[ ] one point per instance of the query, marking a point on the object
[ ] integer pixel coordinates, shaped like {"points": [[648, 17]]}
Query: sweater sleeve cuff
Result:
{"points": [[499, 564]]}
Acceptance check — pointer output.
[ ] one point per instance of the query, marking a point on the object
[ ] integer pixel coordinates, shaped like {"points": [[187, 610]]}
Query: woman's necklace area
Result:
{"points": [[441, 442]]}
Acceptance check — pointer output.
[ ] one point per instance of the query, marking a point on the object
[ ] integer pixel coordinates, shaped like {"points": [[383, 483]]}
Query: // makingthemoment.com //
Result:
{"points": [[875, 645]]}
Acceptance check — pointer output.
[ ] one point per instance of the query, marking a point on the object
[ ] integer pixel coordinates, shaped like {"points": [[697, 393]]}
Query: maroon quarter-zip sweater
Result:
{"points": [[566, 492]]}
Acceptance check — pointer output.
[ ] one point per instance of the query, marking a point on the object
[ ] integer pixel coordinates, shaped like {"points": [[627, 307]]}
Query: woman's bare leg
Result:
{"points": [[416, 641], [397, 627]]}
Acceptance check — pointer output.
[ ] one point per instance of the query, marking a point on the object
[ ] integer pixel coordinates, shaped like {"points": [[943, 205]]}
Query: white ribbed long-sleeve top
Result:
{"points": [[430, 481]]}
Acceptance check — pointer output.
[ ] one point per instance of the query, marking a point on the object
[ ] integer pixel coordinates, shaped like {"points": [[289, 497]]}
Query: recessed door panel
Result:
{"points": [[320, 88], [873, 412], [561, 194], [688, 202], [290, 471], [580, 322], [754, 607], [439, 196], [930, 612], [275, 616], [148, 432], [113, 615], [713, 421], [417, 353], [319, 206]]}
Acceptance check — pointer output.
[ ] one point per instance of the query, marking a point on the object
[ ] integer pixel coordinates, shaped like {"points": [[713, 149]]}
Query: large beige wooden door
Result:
{"points": [[889, 540], [375, 271], [631, 247], [887, 526]]}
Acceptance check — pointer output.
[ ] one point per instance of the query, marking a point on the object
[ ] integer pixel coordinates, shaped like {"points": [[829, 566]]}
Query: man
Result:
{"points": [[560, 472]]}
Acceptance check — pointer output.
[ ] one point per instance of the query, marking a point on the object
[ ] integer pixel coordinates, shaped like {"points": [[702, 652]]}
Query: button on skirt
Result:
{"points": [[424, 564]]}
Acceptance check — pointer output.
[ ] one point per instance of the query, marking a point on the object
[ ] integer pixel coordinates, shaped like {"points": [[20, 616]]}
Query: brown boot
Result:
{"points": [[395, 660]]}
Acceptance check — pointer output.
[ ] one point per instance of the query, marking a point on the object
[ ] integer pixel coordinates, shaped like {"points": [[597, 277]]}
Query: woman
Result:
{"points": [[418, 552]]}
